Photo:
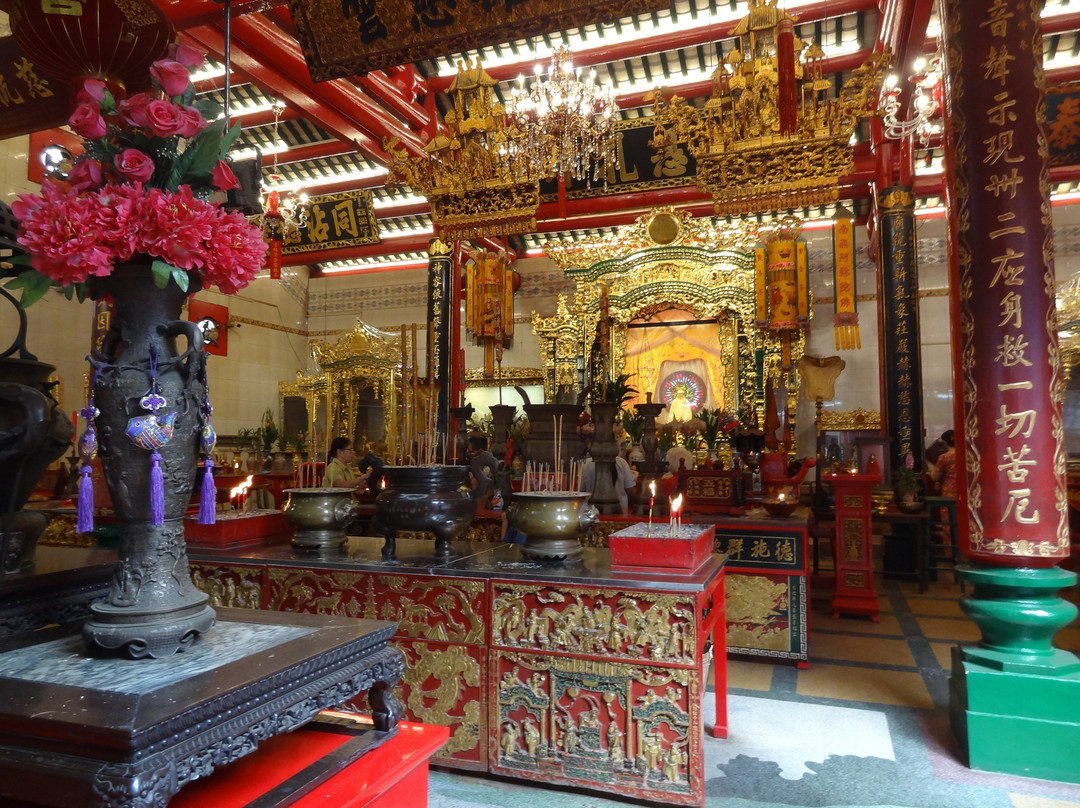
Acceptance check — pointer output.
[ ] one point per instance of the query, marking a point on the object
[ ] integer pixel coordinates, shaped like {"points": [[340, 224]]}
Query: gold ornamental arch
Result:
{"points": [[667, 260]]}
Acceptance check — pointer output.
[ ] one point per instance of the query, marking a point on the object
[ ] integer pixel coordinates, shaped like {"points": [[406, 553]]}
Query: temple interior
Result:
{"points": [[584, 403]]}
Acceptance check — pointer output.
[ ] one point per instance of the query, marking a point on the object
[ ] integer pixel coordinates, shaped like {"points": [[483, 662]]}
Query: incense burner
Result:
{"points": [[552, 522], [320, 516]]}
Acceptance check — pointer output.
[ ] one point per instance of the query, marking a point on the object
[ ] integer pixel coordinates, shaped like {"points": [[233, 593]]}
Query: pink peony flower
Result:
{"points": [[134, 165], [172, 76], [187, 56], [87, 122], [223, 177], [164, 118], [86, 175]]}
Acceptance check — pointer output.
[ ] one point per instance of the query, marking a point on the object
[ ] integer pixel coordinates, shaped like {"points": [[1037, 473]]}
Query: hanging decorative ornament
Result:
{"points": [[207, 492], [151, 433], [845, 305], [111, 39], [88, 449]]}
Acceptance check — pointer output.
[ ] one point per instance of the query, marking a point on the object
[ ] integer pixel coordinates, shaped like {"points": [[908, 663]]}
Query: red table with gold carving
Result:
{"points": [[577, 674], [855, 593]]}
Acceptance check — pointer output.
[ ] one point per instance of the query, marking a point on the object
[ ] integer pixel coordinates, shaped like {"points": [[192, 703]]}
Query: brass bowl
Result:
{"points": [[320, 516], [552, 521]]}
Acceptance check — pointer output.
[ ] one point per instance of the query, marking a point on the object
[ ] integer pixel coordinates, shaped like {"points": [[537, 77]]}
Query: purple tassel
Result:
{"points": [[208, 495], [84, 519], [157, 490]]}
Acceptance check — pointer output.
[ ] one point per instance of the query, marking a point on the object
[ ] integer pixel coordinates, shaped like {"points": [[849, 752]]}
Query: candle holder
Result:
{"points": [[681, 553]]}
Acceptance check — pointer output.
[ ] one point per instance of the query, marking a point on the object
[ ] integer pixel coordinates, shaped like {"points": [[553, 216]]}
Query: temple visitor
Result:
{"points": [[339, 471]]}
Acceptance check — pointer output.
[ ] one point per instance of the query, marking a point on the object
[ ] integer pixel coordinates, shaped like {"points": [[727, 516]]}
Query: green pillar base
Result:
{"points": [[1014, 699], [1016, 723]]}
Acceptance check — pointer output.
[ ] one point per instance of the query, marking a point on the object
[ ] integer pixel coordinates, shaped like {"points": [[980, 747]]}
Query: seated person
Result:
{"points": [[339, 472], [623, 479]]}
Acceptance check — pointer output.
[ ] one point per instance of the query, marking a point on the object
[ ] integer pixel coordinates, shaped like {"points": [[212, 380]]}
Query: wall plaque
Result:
{"points": [[344, 37]]}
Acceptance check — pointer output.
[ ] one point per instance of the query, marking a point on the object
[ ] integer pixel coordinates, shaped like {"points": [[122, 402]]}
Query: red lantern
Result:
{"points": [[99, 38]]}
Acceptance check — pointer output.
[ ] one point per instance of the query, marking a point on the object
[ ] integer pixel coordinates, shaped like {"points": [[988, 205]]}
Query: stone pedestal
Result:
{"points": [[103, 733]]}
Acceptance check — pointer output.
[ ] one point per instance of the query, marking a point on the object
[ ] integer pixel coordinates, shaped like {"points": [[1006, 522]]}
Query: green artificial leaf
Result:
{"points": [[227, 140], [199, 158], [210, 109], [33, 285], [162, 272], [181, 278], [23, 260]]}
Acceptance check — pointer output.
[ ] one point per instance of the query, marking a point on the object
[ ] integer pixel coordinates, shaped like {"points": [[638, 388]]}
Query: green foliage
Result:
{"points": [[633, 423], [613, 391]]}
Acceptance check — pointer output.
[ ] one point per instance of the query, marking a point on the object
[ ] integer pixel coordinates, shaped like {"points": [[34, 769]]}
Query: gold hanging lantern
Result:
{"points": [[476, 172]]}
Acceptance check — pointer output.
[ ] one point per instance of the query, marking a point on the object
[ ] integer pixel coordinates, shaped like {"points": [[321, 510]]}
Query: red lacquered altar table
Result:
{"points": [[391, 775]]}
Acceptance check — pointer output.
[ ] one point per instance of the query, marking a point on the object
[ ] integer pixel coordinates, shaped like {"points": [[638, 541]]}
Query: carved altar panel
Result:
{"points": [[605, 622], [232, 585], [576, 721]]}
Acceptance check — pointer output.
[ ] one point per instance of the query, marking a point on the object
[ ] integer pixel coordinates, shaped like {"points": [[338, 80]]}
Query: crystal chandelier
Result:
{"points": [[568, 122], [284, 214], [925, 103]]}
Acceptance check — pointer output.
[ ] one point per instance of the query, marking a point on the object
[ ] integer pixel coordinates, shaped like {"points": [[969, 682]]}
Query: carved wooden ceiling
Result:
{"points": [[332, 131]]}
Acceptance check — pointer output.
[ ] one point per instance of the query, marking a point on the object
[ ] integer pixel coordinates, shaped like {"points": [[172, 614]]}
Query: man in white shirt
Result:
{"points": [[625, 479]]}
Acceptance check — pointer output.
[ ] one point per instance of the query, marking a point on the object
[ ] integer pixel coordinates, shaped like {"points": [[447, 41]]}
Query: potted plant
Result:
{"points": [[906, 485]]}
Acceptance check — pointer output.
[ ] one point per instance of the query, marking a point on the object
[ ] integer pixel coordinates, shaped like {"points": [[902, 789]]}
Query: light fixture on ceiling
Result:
{"points": [[285, 213], [569, 122], [925, 103]]}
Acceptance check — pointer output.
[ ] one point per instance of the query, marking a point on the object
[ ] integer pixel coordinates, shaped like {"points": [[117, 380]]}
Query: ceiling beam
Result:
{"points": [[687, 36]]}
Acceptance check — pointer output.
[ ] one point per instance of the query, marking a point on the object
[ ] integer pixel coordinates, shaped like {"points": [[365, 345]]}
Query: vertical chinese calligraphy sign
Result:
{"points": [[1015, 459], [357, 36], [440, 298]]}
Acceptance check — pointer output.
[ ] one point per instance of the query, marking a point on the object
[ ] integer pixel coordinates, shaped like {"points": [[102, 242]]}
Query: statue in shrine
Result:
{"points": [[680, 408], [509, 738]]}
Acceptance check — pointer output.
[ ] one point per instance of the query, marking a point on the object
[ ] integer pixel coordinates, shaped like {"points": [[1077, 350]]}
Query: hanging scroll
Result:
{"points": [[845, 313], [489, 304]]}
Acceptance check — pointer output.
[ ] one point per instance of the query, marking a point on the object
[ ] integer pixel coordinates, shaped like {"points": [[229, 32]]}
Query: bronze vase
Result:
{"points": [[152, 608], [34, 432]]}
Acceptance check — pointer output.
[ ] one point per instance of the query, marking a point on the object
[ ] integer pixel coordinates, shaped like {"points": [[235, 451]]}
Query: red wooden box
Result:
{"points": [[234, 530], [634, 549], [393, 775]]}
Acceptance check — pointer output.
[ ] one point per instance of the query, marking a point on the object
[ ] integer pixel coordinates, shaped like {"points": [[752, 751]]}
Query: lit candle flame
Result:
{"points": [[676, 504], [652, 488], [240, 490]]}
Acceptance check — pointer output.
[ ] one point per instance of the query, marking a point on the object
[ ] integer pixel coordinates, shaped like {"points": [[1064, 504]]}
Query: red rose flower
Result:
{"points": [[87, 122], [172, 76], [164, 118], [134, 165], [86, 175], [223, 177]]}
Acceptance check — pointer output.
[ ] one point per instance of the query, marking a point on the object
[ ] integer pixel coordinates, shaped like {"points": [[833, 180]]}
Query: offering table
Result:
{"points": [[766, 579], [574, 674]]}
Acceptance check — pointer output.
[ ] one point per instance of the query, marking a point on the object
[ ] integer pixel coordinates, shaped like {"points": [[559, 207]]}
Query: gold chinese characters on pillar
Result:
{"points": [[771, 136]]}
